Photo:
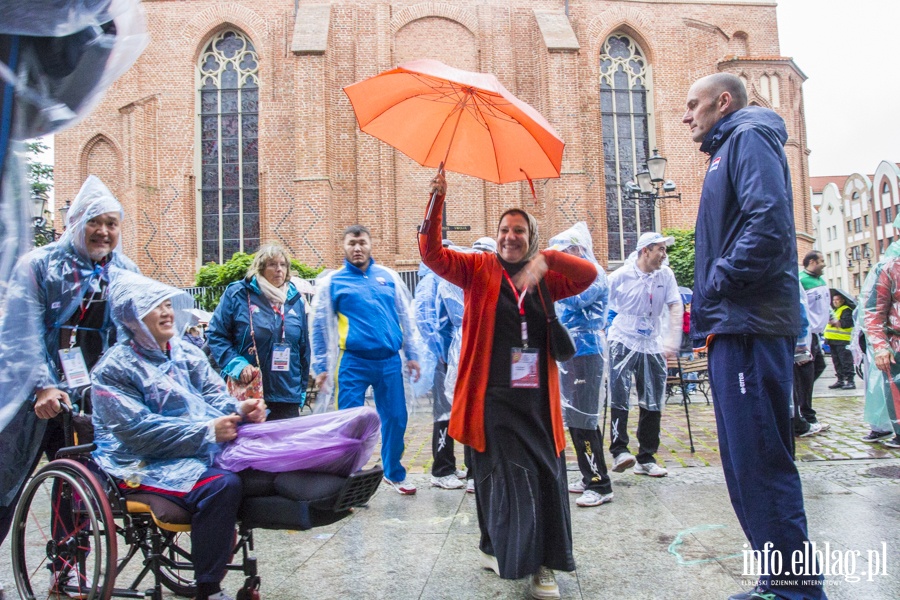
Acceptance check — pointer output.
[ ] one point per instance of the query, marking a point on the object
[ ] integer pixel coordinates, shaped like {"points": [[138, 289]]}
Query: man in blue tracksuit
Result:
{"points": [[745, 251], [361, 322]]}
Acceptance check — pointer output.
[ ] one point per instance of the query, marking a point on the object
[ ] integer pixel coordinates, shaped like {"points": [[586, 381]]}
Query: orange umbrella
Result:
{"points": [[463, 121]]}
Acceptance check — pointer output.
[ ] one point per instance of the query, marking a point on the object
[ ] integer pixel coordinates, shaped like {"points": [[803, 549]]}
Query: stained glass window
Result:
{"points": [[229, 132], [624, 87]]}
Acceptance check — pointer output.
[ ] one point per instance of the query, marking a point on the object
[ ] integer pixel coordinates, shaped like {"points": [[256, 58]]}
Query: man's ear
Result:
{"points": [[724, 101]]}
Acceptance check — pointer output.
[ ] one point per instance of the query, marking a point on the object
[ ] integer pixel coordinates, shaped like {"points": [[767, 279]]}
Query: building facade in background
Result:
{"points": [[232, 128], [853, 222]]}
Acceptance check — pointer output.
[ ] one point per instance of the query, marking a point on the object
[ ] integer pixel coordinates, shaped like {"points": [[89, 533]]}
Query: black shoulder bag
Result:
{"points": [[562, 346]]}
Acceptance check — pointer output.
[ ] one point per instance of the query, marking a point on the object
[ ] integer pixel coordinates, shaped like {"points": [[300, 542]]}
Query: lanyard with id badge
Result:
{"points": [[281, 352], [524, 371], [71, 358]]}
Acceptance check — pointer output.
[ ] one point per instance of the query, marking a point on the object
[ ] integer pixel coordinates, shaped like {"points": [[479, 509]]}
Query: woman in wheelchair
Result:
{"points": [[162, 417]]}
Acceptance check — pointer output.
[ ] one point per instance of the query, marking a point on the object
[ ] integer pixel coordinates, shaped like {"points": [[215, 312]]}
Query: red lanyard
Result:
{"points": [[520, 301], [280, 313]]}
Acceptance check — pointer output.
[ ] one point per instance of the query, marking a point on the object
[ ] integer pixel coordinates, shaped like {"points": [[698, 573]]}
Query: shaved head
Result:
{"points": [[725, 82], [710, 99]]}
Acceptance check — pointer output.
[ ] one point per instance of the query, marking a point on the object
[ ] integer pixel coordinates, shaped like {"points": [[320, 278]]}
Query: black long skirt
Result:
{"points": [[520, 485]]}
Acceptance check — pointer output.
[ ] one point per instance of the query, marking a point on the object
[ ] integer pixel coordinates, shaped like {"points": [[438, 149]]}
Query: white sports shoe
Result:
{"points": [[448, 482], [461, 473], [543, 585], [470, 486], [622, 462], [651, 469], [592, 498], [576, 487], [402, 487], [489, 562]]}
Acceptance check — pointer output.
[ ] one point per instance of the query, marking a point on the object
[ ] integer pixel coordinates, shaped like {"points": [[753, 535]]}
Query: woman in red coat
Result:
{"points": [[506, 402]]}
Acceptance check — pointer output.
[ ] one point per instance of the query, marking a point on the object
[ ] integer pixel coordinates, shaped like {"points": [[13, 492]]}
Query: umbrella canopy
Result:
{"points": [[199, 316], [468, 121], [849, 300], [687, 294]]}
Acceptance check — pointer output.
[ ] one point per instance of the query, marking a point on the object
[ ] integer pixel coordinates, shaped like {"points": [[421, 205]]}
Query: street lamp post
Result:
{"points": [[859, 265], [43, 229], [651, 182]]}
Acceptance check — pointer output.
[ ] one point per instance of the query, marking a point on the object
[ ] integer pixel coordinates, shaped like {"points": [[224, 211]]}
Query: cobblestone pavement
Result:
{"points": [[841, 409]]}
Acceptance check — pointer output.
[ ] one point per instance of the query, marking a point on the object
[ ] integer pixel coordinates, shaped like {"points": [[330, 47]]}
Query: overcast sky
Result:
{"points": [[848, 50]]}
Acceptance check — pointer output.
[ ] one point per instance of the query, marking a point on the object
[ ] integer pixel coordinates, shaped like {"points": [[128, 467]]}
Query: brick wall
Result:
{"points": [[318, 173]]}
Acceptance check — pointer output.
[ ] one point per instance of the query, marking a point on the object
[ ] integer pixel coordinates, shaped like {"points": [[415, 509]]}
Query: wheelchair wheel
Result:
{"points": [[64, 535], [176, 571]]}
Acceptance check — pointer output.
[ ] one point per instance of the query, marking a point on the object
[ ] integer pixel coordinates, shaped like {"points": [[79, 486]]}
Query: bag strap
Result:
{"points": [[541, 295], [252, 335]]}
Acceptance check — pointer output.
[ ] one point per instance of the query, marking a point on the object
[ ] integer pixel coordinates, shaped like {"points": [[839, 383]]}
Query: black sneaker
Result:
{"points": [[848, 386], [893, 442], [876, 436], [836, 385]]}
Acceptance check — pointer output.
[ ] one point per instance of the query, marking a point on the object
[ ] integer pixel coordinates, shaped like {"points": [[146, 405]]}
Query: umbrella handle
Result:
{"points": [[426, 224]]}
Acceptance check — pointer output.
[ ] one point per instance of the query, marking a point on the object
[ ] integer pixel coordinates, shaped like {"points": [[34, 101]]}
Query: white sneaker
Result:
{"points": [[592, 498], [622, 462], [576, 487], [401, 487], [651, 469], [489, 562], [447, 482], [461, 473], [470, 486], [816, 428], [543, 585]]}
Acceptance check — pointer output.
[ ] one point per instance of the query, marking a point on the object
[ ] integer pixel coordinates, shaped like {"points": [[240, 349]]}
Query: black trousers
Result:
{"points": [[807, 375], [282, 410], [589, 451], [842, 359], [441, 444], [647, 433]]}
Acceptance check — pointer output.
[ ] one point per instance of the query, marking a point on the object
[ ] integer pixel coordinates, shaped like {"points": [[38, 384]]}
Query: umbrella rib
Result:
{"points": [[491, 135]]}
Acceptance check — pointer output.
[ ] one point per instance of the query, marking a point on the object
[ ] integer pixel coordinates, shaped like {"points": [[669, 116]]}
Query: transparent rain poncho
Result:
{"points": [[878, 317], [67, 55], [582, 378], [645, 320], [450, 300], [433, 324], [46, 289], [154, 411], [325, 341]]}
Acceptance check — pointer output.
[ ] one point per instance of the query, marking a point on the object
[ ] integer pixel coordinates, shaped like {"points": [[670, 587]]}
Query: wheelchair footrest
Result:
{"points": [[358, 488]]}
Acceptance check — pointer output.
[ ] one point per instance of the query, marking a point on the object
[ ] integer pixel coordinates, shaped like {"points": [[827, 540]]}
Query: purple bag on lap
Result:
{"points": [[339, 442]]}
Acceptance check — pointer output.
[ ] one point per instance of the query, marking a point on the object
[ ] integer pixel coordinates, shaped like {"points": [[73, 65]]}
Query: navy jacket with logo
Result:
{"points": [[745, 271]]}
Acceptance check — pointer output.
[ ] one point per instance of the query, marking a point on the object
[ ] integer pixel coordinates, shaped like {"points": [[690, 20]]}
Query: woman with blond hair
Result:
{"points": [[260, 329]]}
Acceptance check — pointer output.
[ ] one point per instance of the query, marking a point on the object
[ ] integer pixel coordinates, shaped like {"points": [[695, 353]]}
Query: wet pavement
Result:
{"points": [[674, 537]]}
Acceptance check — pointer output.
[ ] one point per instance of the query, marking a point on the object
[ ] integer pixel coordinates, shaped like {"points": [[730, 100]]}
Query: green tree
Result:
{"points": [[216, 276], [681, 255], [40, 179]]}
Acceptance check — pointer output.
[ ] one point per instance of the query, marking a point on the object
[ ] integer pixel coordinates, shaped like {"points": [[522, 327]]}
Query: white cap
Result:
{"points": [[652, 237], [485, 244]]}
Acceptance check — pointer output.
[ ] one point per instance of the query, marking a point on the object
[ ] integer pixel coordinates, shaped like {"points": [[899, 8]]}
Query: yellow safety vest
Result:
{"points": [[838, 334]]}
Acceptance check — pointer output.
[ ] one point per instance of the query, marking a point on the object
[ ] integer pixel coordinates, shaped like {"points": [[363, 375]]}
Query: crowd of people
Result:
{"points": [[480, 332]]}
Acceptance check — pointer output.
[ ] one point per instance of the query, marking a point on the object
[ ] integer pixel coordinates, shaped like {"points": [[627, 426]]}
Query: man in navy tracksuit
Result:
{"points": [[745, 251], [362, 315]]}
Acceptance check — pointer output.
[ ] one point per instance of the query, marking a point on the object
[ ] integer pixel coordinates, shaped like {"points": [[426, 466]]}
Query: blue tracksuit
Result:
{"points": [[373, 325], [746, 294]]}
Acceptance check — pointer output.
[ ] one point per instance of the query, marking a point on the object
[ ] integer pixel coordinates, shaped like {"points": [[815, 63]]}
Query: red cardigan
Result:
{"points": [[479, 275]]}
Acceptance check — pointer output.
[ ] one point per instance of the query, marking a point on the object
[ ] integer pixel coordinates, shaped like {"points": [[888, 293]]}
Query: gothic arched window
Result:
{"points": [[624, 89], [229, 150]]}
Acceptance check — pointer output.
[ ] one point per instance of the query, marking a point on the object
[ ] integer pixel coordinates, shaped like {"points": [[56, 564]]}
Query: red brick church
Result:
{"points": [[232, 128]]}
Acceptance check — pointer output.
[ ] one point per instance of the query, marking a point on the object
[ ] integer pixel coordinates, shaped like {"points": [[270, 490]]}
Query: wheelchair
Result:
{"points": [[72, 518]]}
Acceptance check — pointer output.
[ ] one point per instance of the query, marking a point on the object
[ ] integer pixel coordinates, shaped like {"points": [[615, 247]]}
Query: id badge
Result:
{"points": [[74, 367], [645, 326], [525, 372], [281, 357]]}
